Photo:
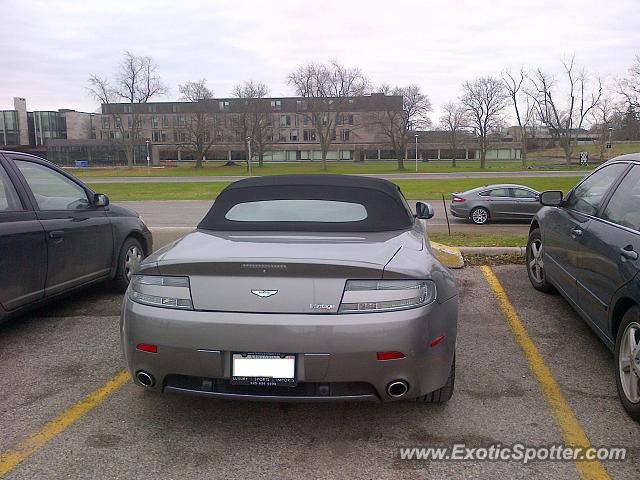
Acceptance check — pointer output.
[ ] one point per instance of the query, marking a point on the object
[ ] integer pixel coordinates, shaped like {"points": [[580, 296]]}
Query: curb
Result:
{"points": [[449, 256]]}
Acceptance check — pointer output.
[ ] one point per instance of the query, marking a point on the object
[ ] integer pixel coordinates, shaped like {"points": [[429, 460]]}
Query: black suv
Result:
{"points": [[57, 235], [587, 246]]}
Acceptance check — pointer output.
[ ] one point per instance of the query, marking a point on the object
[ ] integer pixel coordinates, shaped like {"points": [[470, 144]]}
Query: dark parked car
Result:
{"points": [[57, 235], [586, 246], [493, 202]]}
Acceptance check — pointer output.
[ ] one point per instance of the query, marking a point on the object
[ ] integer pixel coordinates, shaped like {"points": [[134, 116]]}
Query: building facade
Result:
{"points": [[21, 128], [287, 127], [287, 132]]}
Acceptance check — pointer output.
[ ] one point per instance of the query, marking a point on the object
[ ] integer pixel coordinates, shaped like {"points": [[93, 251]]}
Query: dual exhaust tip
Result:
{"points": [[397, 388], [146, 379]]}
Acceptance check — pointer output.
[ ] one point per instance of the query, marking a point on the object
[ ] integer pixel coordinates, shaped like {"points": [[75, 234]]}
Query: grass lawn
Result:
{"points": [[479, 239], [413, 189], [217, 169]]}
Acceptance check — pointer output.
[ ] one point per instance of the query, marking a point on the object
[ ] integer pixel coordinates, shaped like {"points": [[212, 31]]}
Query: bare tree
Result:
{"points": [[485, 99], [326, 89], [256, 119], [453, 121], [564, 116], [629, 87], [603, 115], [200, 123], [135, 82], [397, 124], [523, 106]]}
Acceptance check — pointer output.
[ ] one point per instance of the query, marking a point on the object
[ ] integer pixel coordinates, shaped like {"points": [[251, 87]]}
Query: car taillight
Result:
{"points": [[158, 291], [457, 199], [366, 296]]}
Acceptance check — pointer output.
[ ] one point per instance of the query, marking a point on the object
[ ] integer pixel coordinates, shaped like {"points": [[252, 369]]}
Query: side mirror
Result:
{"points": [[100, 200], [551, 198], [424, 211]]}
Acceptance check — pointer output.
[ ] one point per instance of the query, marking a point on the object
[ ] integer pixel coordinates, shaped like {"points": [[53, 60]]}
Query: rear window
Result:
{"points": [[323, 211], [300, 208]]}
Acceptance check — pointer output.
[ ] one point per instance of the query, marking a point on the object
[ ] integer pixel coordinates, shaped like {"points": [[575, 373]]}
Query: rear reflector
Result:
{"points": [[458, 199], [147, 347], [390, 355], [437, 340]]}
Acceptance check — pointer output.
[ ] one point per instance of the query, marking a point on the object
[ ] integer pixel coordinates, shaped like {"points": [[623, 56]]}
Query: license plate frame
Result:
{"points": [[264, 369]]}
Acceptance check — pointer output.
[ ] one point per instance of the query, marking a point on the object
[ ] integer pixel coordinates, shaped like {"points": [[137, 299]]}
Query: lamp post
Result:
{"points": [[416, 135], [147, 141], [609, 145], [249, 154], [92, 135]]}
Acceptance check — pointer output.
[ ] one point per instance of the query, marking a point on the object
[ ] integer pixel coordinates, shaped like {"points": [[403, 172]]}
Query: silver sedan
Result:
{"points": [[297, 288], [493, 202]]}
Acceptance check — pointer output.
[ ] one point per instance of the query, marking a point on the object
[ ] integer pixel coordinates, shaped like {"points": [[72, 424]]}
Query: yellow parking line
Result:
{"points": [[9, 460], [570, 429]]}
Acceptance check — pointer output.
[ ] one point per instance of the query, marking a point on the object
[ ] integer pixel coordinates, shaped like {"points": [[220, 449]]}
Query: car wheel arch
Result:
{"points": [[534, 225], [140, 238], [622, 306]]}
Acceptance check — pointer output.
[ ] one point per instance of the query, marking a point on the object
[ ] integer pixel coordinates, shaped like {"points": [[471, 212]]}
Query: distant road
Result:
{"points": [[388, 176], [188, 213]]}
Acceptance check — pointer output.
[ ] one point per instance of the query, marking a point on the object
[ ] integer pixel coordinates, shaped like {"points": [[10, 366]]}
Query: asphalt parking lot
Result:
{"points": [[55, 356]]}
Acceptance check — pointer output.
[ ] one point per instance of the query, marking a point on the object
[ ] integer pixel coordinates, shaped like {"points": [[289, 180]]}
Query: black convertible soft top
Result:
{"points": [[386, 207]]}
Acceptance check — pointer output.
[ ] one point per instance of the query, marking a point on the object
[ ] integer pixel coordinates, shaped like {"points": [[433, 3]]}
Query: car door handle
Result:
{"points": [[628, 252], [576, 233], [56, 234]]}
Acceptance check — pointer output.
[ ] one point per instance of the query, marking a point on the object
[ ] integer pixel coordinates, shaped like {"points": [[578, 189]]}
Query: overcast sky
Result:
{"points": [[49, 48]]}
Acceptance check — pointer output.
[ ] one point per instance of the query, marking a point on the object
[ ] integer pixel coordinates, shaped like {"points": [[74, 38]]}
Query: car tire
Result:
{"points": [[535, 262], [628, 363], [131, 254], [479, 215], [444, 394]]}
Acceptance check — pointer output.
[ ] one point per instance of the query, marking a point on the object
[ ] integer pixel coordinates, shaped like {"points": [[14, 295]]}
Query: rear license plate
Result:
{"points": [[263, 369]]}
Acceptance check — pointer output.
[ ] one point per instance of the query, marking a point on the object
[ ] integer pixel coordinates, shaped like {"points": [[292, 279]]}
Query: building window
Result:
{"points": [[152, 108], [345, 119], [301, 105], [180, 121], [128, 109], [276, 105], [106, 123], [179, 136], [155, 122], [174, 108], [309, 135], [344, 135], [224, 105], [293, 135], [159, 136], [285, 120], [165, 120], [118, 122]]}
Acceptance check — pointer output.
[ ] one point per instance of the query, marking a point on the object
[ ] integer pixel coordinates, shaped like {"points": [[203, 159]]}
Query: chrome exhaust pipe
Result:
{"points": [[145, 378], [397, 388]]}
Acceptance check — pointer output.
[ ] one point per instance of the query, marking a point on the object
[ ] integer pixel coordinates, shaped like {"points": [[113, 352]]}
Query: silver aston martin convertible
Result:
{"points": [[297, 288]]}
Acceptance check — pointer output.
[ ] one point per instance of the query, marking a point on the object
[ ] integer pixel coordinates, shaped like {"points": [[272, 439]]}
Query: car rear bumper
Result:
{"points": [[335, 354], [459, 211]]}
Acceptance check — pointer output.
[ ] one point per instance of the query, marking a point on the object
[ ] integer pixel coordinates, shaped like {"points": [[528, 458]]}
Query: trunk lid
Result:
{"points": [[278, 273]]}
